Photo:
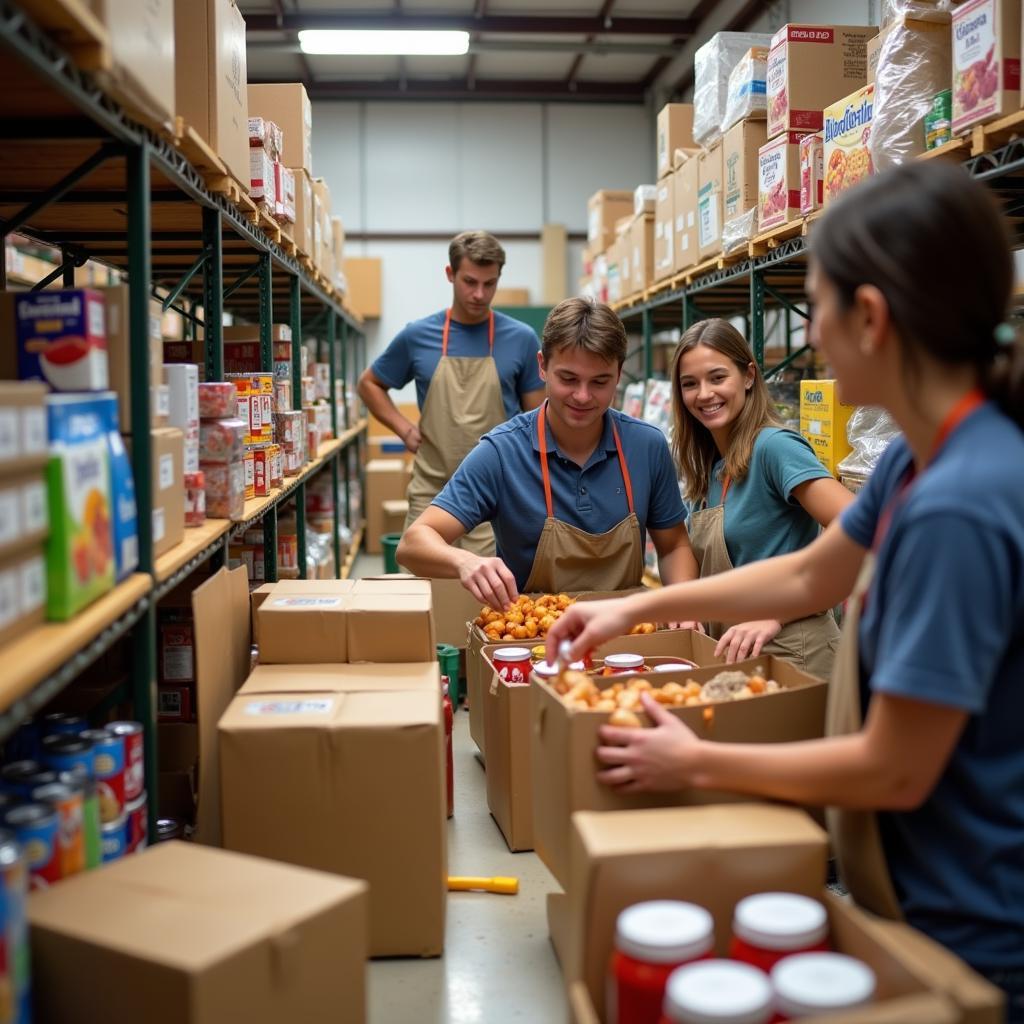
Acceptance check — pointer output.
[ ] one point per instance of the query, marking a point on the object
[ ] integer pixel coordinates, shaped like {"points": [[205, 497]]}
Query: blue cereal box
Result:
{"points": [[62, 339], [122, 493]]}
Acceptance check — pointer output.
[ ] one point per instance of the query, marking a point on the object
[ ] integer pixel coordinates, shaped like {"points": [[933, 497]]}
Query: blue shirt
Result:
{"points": [[944, 624], [500, 482], [762, 518], [416, 350]]}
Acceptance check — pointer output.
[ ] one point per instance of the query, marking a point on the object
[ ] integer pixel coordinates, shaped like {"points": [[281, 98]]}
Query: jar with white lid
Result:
{"points": [[809, 984], [675, 666], [771, 925], [548, 671], [717, 992], [512, 664], [616, 664], [653, 939]]}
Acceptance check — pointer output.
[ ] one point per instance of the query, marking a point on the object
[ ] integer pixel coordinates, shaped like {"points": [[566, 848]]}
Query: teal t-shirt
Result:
{"points": [[762, 518]]}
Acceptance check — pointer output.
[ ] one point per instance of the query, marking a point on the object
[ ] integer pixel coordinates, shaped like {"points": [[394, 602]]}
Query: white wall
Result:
{"points": [[446, 167]]}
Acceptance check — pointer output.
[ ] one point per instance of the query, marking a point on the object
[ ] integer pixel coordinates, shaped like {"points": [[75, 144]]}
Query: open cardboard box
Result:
{"points": [[563, 741], [716, 855], [506, 716]]}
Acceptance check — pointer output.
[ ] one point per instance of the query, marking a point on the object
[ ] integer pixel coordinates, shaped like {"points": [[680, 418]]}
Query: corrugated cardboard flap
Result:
{"points": [[286, 679]]}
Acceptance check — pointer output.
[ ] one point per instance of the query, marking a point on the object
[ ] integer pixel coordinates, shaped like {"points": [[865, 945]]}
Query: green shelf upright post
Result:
{"points": [[332, 359], [648, 329], [756, 336], [213, 294], [143, 636]]}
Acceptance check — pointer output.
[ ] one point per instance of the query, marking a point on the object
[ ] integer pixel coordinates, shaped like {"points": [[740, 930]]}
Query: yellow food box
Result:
{"points": [[847, 134], [823, 420]]}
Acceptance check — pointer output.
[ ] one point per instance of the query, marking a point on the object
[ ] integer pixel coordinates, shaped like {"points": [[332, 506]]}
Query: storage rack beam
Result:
{"points": [[175, 293]]}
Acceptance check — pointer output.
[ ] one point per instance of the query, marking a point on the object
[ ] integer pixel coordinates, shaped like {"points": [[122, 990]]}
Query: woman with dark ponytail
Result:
{"points": [[911, 278]]}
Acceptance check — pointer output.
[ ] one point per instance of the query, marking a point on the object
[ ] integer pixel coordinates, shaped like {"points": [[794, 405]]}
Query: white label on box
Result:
{"points": [[10, 517], [307, 602], [33, 586], [166, 471], [178, 665], [191, 459], [709, 219], [162, 401], [815, 427], [685, 244], [159, 525], [681, 223], [318, 706], [8, 434], [689, 218], [659, 230], [33, 506], [33, 431], [8, 597]]}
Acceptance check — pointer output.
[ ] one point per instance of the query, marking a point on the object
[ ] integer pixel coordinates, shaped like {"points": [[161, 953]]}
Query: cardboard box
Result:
{"points": [[846, 158], [22, 591], [390, 627], [685, 180], [119, 349], [641, 252], [740, 146], [778, 188], [168, 450], [324, 241], [823, 421], [23, 431], [364, 285], [306, 628], [874, 49], [411, 677], [563, 743], [386, 480], [24, 515], [303, 228], [986, 61], [664, 213], [604, 208], [812, 173], [305, 776], [709, 201], [511, 297], [394, 513], [210, 79], [554, 263], [189, 935], [454, 608], [809, 67], [287, 105], [675, 131]]}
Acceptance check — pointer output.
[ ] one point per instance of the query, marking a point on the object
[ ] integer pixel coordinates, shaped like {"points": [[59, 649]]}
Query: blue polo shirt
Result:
{"points": [[500, 482], [416, 350], [944, 624]]}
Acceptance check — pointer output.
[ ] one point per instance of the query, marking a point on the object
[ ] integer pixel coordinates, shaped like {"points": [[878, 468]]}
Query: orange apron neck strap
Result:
{"points": [[622, 465], [448, 325], [725, 488], [542, 443]]}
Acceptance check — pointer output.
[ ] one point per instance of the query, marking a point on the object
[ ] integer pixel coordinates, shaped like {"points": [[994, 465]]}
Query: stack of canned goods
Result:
{"points": [[15, 974], [77, 798]]}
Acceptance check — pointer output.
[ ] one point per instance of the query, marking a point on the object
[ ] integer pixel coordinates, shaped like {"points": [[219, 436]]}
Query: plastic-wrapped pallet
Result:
{"points": [[738, 231], [633, 399], [658, 406], [747, 94], [712, 65], [914, 63], [869, 432]]}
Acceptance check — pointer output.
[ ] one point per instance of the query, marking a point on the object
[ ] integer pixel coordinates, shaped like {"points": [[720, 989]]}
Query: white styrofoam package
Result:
{"points": [[747, 93], [712, 65]]}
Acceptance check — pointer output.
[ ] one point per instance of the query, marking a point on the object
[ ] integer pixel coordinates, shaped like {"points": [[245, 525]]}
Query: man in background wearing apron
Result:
{"points": [[570, 488], [473, 369]]}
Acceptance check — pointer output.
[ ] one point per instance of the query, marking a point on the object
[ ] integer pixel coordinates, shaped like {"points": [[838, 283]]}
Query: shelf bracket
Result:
{"points": [[175, 293]]}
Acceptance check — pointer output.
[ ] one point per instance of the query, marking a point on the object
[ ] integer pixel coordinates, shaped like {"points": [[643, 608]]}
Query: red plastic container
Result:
{"points": [[722, 991], [770, 926], [449, 722], [513, 664], [811, 984]]}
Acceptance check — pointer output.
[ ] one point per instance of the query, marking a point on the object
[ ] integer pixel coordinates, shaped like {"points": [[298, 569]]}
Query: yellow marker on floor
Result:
{"points": [[502, 886]]}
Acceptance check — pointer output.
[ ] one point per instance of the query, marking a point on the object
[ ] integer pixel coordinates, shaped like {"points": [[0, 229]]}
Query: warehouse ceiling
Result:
{"points": [[559, 50]]}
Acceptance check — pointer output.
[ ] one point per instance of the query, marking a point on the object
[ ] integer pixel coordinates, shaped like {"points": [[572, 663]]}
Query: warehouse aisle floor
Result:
{"points": [[498, 966]]}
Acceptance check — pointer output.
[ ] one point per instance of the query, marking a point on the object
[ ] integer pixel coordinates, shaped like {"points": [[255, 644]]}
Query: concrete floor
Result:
{"points": [[499, 966]]}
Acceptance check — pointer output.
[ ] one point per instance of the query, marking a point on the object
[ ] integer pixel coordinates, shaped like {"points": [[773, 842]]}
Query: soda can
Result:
{"points": [[35, 826], [92, 838], [15, 990], [19, 778], [26, 743], [68, 802], [65, 753], [63, 723], [137, 813], [108, 769], [115, 838], [134, 757], [169, 828]]}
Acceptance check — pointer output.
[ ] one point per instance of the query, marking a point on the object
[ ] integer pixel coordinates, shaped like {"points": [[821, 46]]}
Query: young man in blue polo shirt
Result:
{"points": [[473, 368], [570, 488]]}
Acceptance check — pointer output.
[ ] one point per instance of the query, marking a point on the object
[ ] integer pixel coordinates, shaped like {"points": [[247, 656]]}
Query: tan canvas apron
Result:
{"points": [[568, 558], [463, 403], [811, 642]]}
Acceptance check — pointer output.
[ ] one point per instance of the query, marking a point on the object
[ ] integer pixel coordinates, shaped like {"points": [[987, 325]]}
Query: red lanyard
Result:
{"points": [[971, 401], [447, 326]]}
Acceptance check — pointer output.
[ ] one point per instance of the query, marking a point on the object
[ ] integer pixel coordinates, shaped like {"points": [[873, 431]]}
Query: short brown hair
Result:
{"points": [[477, 246], [586, 324]]}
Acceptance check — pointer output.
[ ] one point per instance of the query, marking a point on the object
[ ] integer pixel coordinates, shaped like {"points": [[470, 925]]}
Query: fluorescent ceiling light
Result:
{"points": [[370, 42]]}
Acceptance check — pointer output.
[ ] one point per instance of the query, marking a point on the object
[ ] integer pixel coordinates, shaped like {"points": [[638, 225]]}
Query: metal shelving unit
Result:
{"points": [[80, 175]]}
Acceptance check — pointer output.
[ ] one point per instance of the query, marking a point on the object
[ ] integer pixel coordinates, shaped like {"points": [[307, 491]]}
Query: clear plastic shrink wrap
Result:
{"points": [[712, 64], [747, 91], [869, 432], [914, 63], [737, 231]]}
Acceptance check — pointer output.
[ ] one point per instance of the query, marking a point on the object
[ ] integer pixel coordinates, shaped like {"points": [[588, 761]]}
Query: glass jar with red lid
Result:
{"points": [[616, 664], [652, 939], [717, 992], [771, 925], [513, 664]]}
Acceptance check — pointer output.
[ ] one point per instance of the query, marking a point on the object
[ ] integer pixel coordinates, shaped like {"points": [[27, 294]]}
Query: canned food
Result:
{"points": [[35, 826], [68, 802], [81, 779], [115, 838], [512, 664], [134, 757], [169, 828], [66, 753], [21, 777], [137, 813], [14, 947], [108, 768], [63, 722]]}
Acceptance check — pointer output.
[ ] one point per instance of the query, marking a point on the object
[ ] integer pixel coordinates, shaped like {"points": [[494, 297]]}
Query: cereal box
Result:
{"points": [[62, 339], [823, 421], [811, 173], [846, 137], [778, 181], [986, 61]]}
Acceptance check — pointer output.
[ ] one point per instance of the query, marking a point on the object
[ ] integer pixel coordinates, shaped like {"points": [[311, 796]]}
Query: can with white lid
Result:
{"points": [[771, 925], [809, 984], [718, 992], [652, 940]]}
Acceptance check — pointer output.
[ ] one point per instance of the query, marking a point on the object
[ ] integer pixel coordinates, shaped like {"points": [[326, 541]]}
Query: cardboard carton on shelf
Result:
{"points": [[22, 591], [186, 934], [564, 739], [641, 241], [386, 480], [664, 217], [363, 275], [24, 516], [675, 131], [604, 208], [685, 240], [287, 105], [709, 201]]}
